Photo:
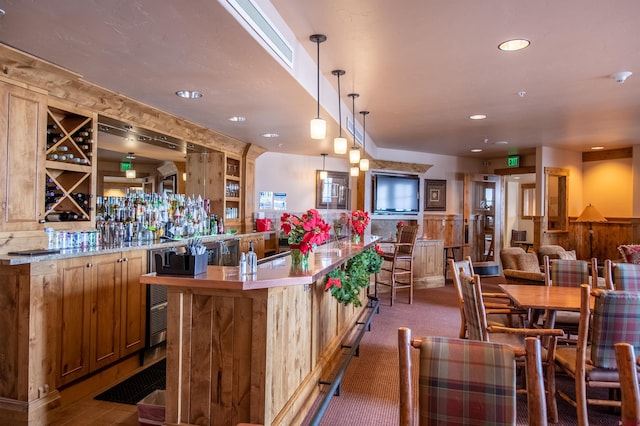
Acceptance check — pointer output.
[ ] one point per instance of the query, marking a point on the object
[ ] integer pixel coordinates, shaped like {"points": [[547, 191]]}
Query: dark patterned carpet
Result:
{"points": [[135, 388]]}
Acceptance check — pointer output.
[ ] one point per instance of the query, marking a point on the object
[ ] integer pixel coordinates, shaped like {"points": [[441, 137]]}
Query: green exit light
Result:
{"points": [[125, 166], [513, 161]]}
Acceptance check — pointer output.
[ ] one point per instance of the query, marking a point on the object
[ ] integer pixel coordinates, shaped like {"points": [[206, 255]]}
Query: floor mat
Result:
{"points": [[132, 390]]}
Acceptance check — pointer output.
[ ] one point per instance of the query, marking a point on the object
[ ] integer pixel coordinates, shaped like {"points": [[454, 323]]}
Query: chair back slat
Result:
{"points": [[616, 318], [473, 308], [464, 379], [407, 239], [569, 273], [626, 276]]}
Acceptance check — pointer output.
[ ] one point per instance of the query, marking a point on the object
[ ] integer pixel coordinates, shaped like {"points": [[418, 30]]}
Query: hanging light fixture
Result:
{"points": [[318, 125], [323, 172], [354, 153], [130, 173], [354, 171], [364, 162], [339, 143]]}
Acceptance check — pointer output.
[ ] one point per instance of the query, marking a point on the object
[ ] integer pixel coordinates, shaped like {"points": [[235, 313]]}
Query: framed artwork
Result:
{"points": [[435, 195], [333, 192]]}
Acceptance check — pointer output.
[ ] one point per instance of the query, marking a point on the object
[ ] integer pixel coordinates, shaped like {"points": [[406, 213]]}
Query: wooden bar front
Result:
{"points": [[253, 350]]}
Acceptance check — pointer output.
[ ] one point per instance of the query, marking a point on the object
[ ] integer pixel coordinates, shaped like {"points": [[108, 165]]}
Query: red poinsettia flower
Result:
{"points": [[331, 282], [305, 231], [359, 221], [378, 250]]}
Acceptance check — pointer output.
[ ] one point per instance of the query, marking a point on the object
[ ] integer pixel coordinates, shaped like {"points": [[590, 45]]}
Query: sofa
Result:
{"points": [[520, 267]]}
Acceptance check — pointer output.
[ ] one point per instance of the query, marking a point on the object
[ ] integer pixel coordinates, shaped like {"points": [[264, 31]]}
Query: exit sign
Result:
{"points": [[513, 161], [125, 166]]}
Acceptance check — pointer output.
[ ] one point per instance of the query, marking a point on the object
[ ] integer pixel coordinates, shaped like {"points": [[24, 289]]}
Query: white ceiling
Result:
{"points": [[421, 67]]}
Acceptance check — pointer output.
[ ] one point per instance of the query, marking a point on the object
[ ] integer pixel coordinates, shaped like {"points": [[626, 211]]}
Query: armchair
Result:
{"points": [[621, 276], [452, 390], [520, 267], [592, 362]]}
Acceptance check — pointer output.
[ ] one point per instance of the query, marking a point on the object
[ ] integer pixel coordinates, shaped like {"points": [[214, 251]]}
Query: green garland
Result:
{"points": [[345, 282]]}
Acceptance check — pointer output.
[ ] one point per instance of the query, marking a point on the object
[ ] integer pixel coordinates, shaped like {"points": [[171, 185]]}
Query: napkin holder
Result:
{"points": [[181, 264]]}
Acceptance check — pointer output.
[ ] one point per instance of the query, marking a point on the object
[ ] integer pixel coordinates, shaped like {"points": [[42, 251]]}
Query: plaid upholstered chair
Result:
{"points": [[629, 391], [622, 276], [592, 364], [397, 266], [479, 329], [464, 382]]}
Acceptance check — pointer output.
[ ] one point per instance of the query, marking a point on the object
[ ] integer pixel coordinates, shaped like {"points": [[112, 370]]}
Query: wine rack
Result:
{"points": [[70, 154]]}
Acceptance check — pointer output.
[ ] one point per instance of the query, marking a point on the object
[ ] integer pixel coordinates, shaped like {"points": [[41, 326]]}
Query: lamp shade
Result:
{"points": [[354, 155], [130, 174], [340, 145], [364, 164], [354, 171], [590, 214], [324, 174], [318, 128]]}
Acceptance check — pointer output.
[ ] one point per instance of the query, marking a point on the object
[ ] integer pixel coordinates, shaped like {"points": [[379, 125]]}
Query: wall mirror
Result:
{"points": [[556, 214], [159, 160], [527, 200]]}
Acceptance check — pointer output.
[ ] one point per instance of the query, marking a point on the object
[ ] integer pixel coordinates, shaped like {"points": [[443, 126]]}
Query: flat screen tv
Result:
{"points": [[396, 194]]}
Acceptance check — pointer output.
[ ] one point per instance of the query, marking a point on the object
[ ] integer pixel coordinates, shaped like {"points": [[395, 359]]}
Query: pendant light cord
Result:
{"points": [[318, 77], [339, 107]]}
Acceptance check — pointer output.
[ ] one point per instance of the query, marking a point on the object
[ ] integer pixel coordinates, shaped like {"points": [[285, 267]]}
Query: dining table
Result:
{"points": [[549, 298]]}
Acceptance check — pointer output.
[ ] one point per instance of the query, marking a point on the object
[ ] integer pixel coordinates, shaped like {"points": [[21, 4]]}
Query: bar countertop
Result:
{"points": [[274, 273]]}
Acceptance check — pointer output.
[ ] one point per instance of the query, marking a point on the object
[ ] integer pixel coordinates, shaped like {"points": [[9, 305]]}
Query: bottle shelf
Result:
{"points": [[69, 166]]}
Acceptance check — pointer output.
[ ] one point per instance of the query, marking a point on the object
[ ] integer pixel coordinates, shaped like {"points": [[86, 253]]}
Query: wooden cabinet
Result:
{"points": [[70, 166], [133, 306], [428, 262], [74, 312], [226, 193], [22, 124], [271, 243], [102, 308]]}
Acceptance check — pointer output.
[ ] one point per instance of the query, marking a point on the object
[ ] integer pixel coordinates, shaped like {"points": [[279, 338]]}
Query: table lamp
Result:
{"points": [[590, 214]]}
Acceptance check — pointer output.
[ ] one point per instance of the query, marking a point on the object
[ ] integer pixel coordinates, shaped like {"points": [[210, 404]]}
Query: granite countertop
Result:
{"points": [[278, 272], [6, 259]]}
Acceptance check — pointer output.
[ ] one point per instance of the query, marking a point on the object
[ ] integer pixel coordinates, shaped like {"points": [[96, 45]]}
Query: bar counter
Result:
{"points": [[252, 349]]}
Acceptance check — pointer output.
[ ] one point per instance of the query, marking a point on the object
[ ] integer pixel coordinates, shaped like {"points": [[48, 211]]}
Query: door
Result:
{"points": [[105, 309], [483, 215], [133, 303], [74, 309], [23, 115]]}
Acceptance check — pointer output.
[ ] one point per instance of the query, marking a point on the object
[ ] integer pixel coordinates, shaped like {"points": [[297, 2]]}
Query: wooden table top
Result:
{"points": [[543, 297]]}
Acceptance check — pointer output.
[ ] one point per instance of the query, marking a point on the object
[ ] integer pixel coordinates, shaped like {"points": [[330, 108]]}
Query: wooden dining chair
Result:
{"points": [[465, 382], [629, 391], [479, 329], [592, 362], [621, 276], [397, 266], [499, 301], [568, 273]]}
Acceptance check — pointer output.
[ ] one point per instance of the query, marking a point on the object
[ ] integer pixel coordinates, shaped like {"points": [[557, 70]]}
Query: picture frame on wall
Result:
{"points": [[333, 192], [435, 195]]}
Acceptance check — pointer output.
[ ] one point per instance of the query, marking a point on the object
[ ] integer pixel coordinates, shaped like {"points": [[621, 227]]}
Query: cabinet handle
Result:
{"points": [[126, 259], [89, 265], [119, 260]]}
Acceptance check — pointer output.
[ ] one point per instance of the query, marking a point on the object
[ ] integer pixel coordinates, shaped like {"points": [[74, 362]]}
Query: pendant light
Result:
{"points": [[354, 153], [323, 172], [354, 171], [339, 143], [318, 125], [364, 162]]}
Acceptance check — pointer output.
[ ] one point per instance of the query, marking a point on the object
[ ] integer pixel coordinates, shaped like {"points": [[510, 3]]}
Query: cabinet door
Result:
{"points": [[133, 304], [74, 309], [22, 129], [105, 310]]}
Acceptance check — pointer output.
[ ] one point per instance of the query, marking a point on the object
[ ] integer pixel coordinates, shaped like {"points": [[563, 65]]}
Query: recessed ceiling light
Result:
{"points": [[477, 117], [596, 148], [502, 143], [189, 94], [514, 44], [476, 150], [237, 118], [270, 135]]}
